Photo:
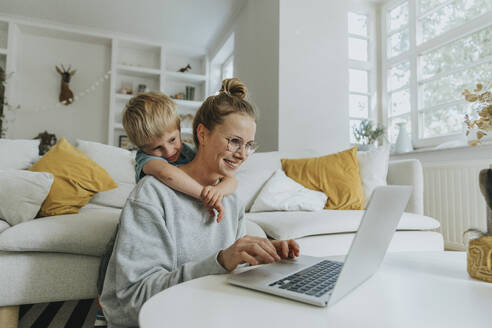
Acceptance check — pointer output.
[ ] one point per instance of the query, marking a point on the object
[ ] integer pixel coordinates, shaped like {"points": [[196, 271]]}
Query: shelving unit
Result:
{"points": [[156, 67], [196, 77], [186, 77], [137, 67], [7, 59], [3, 60], [134, 65], [4, 36]]}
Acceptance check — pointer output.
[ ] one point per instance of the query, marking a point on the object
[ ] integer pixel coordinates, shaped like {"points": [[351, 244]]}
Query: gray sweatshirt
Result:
{"points": [[165, 238]]}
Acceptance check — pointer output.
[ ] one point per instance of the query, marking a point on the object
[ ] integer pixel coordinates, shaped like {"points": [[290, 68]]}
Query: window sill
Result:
{"points": [[482, 151]]}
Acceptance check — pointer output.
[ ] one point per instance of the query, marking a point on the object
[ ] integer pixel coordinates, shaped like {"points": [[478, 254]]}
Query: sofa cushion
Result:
{"points": [[119, 163], [281, 193], [253, 229], [77, 179], [22, 193], [257, 169], [289, 225], [18, 154], [3, 225], [373, 168], [337, 175], [84, 233]]}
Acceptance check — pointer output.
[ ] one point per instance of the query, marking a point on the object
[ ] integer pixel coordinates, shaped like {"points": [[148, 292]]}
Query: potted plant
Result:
{"points": [[2, 101], [6, 109], [482, 106], [366, 134]]}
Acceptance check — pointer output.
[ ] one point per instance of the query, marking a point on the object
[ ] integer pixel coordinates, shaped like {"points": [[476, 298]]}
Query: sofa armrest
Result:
{"points": [[409, 172]]}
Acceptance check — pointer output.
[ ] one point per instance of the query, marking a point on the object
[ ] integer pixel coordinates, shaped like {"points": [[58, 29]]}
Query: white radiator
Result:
{"points": [[452, 196]]}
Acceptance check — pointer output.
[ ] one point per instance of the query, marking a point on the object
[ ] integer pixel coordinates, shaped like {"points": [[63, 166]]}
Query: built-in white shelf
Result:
{"points": [[122, 96], [3, 51], [139, 71], [187, 103], [153, 66], [186, 77]]}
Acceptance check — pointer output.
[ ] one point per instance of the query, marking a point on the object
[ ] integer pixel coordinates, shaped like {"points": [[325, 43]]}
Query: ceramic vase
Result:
{"points": [[403, 141], [366, 147]]}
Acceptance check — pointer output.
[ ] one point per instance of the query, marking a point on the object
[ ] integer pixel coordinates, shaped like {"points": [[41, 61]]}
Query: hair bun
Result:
{"points": [[234, 87]]}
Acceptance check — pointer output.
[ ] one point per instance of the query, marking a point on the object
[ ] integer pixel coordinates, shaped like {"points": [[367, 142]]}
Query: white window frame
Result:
{"points": [[224, 53], [371, 66], [225, 63], [413, 54]]}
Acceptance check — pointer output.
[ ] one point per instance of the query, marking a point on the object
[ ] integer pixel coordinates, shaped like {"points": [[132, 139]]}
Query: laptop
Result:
{"points": [[322, 282]]}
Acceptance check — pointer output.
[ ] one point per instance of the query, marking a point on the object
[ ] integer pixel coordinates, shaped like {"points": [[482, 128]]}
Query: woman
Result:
{"points": [[167, 237]]}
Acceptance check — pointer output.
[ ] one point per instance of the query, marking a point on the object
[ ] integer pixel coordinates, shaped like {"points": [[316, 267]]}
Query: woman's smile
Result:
{"points": [[232, 164]]}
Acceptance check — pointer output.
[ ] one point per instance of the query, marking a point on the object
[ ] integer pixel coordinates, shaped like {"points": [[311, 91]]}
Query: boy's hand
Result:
{"points": [[211, 195], [217, 207], [220, 211], [212, 198]]}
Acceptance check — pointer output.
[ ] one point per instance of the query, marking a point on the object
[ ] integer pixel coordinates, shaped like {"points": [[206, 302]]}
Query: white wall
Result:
{"points": [[38, 85], [292, 55], [313, 76], [256, 64]]}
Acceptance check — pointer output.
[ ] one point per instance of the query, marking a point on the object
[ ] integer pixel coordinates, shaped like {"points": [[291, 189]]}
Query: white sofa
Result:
{"points": [[57, 258]]}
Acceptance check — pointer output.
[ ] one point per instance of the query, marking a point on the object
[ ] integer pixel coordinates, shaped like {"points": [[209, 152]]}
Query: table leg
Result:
{"points": [[9, 316]]}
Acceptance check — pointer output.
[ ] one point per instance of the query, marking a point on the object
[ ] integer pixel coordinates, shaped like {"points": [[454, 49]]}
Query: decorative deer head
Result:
{"points": [[66, 95]]}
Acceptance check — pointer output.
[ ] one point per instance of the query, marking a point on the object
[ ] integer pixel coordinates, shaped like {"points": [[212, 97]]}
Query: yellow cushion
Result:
{"points": [[77, 179], [337, 175]]}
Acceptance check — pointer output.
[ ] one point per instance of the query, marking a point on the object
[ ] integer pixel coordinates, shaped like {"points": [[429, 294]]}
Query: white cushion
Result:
{"points": [[281, 193], [22, 193], [84, 233], [119, 163], [253, 229], [289, 225], [257, 169], [373, 169], [18, 154]]}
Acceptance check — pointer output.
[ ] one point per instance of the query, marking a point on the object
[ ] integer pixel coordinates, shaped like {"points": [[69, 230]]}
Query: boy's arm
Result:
{"points": [[173, 177], [227, 185]]}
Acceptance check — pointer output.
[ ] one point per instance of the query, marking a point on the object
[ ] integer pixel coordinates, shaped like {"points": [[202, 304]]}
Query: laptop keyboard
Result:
{"points": [[315, 280]]}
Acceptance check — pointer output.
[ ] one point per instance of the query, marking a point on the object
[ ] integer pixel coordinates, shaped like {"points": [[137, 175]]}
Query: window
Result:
{"points": [[433, 49], [222, 64], [362, 67], [227, 68]]}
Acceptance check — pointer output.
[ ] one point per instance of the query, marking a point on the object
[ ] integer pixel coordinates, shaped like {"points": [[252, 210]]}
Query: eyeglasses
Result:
{"points": [[236, 144]]}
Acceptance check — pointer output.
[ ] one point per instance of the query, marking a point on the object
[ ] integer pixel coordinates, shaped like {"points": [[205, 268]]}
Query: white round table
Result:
{"points": [[418, 289]]}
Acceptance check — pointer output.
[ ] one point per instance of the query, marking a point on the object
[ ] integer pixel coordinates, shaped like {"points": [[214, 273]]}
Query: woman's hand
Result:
{"points": [[255, 250], [286, 248]]}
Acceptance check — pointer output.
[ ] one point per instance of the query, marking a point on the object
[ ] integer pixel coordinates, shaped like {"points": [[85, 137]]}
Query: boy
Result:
{"points": [[152, 124]]}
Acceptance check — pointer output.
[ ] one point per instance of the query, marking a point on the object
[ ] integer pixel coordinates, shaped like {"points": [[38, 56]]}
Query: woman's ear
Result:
{"points": [[202, 134]]}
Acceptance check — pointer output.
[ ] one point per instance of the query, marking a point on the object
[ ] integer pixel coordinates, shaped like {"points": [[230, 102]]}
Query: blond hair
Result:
{"points": [[230, 100], [149, 115]]}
